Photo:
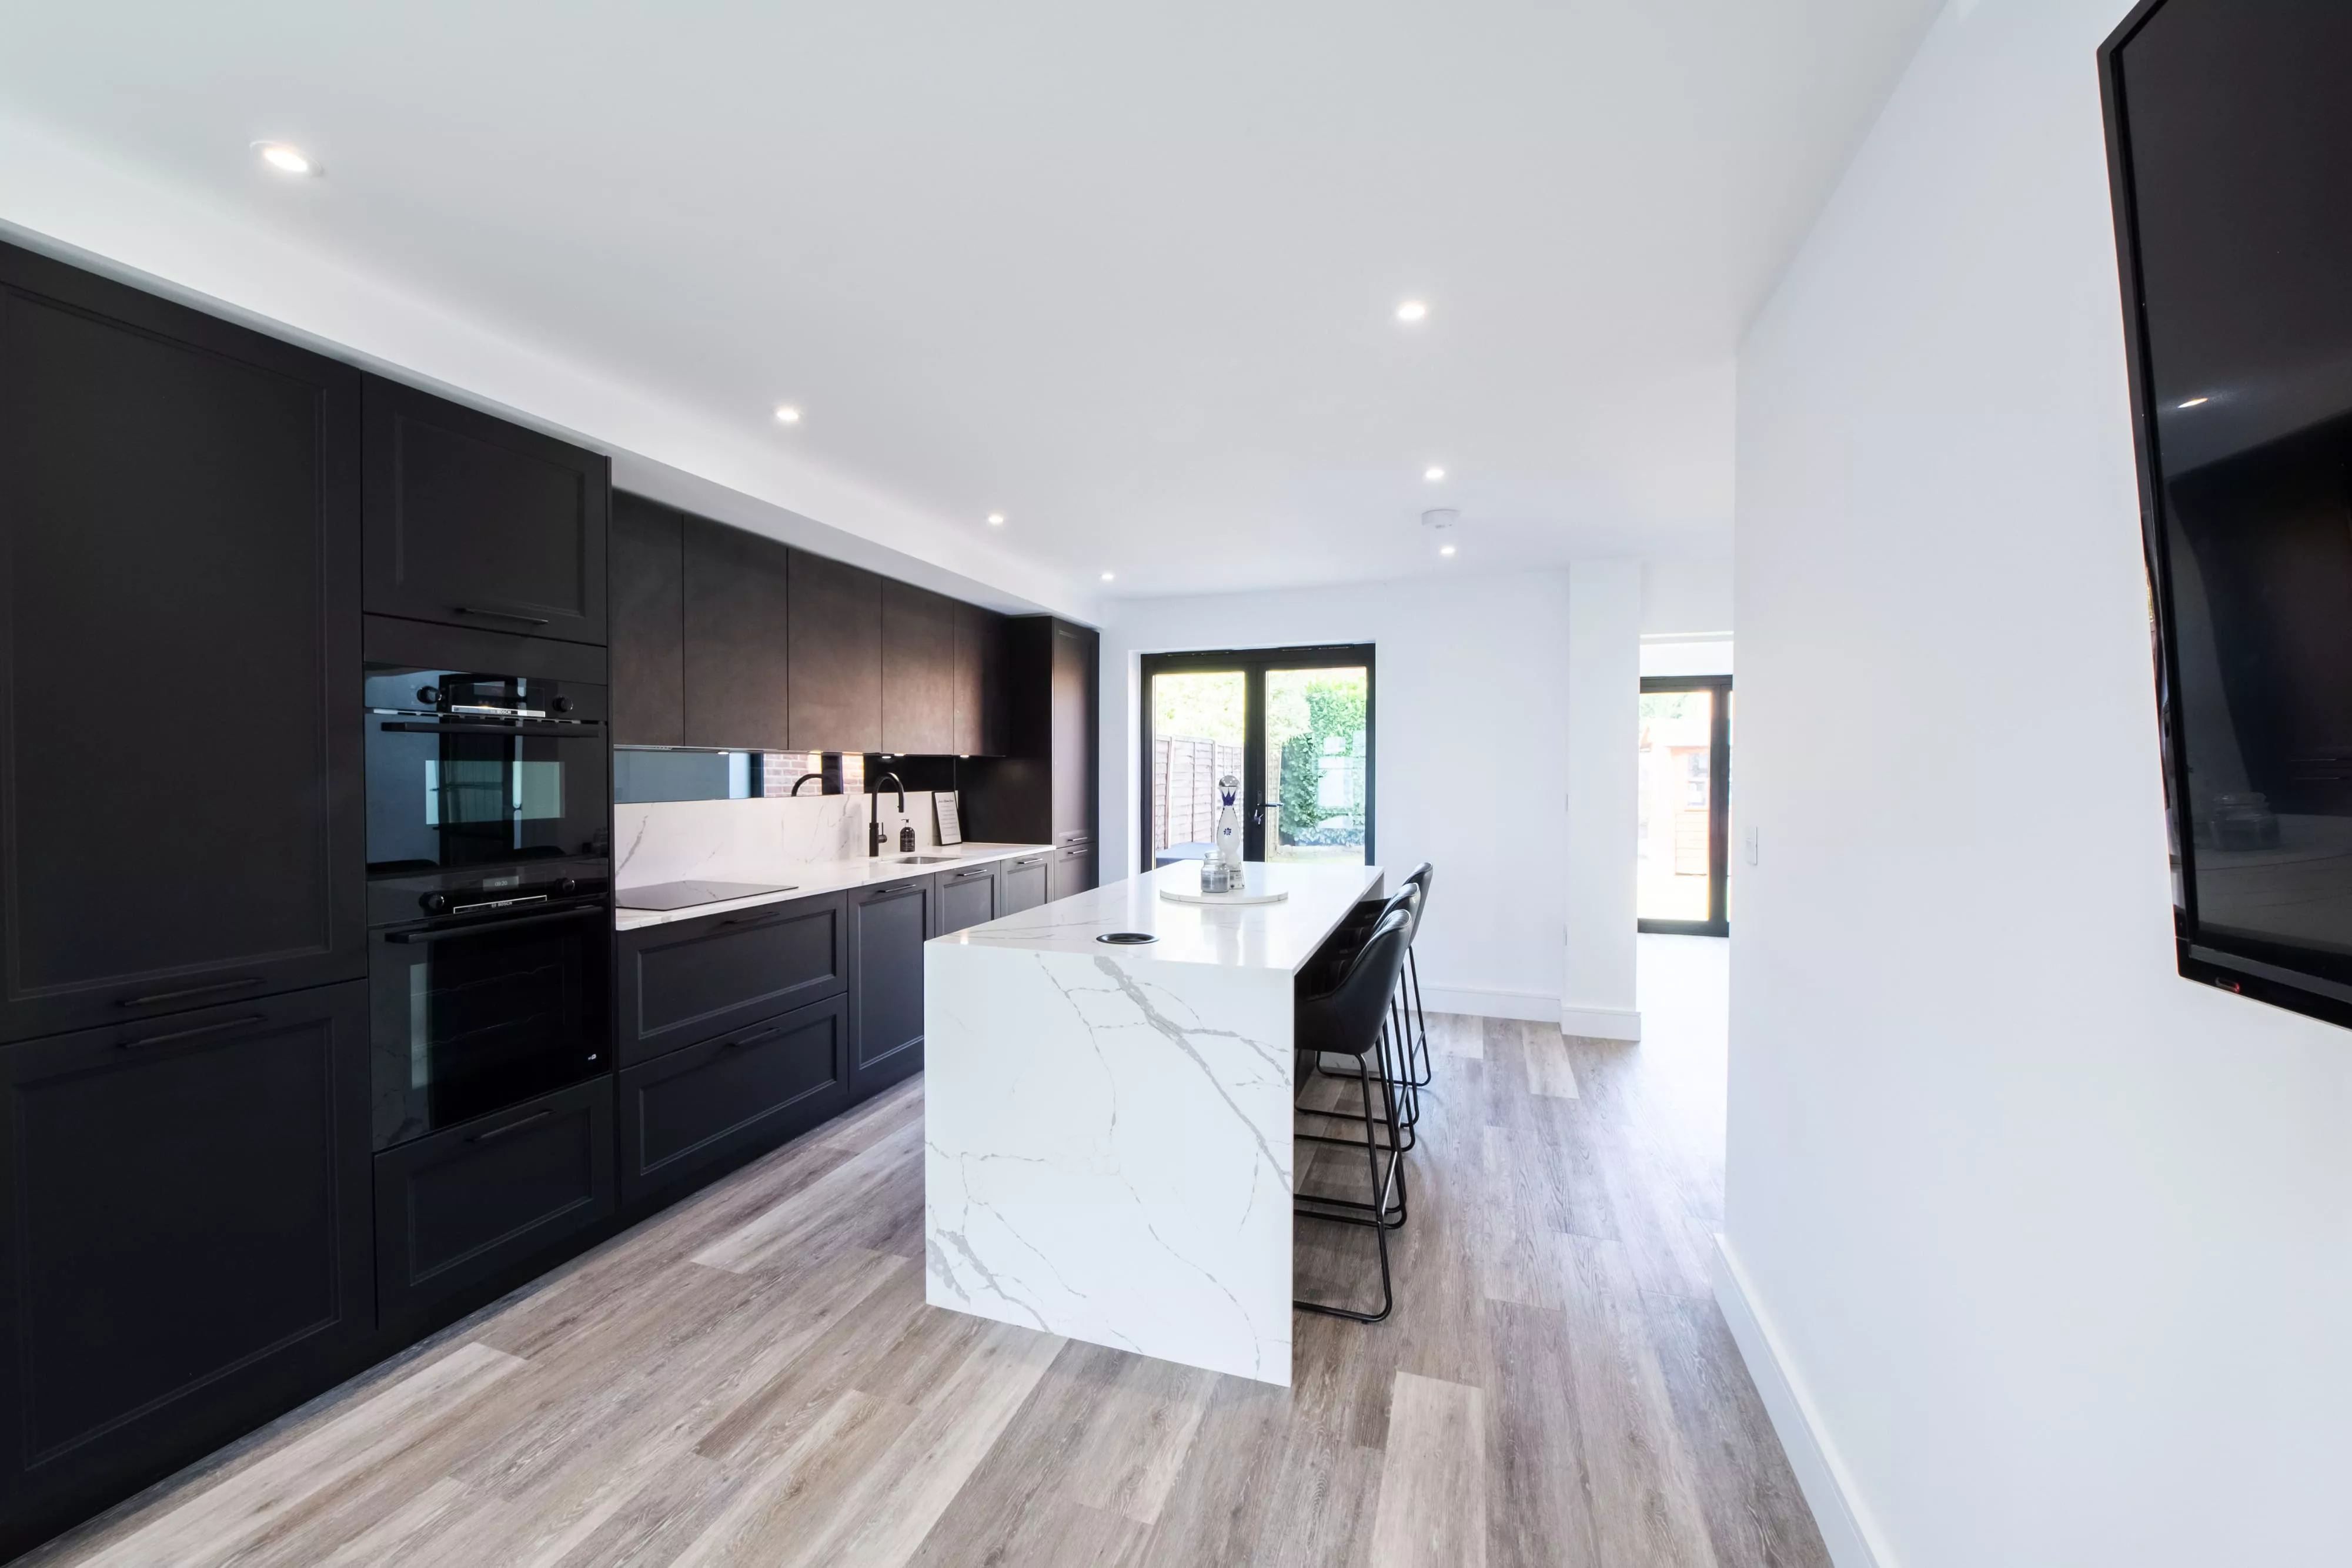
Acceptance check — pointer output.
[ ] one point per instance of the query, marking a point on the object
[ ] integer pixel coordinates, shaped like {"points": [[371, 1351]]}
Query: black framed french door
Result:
{"points": [[1684, 886], [1295, 725]]}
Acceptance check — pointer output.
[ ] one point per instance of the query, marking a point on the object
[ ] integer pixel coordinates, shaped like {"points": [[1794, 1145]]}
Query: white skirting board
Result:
{"points": [[1602, 1023], [1828, 1490], [1533, 1005]]}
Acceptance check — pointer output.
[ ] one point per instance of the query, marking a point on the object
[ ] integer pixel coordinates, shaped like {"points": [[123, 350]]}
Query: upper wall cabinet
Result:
{"points": [[739, 621], [648, 622], [835, 642], [179, 504], [476, 522], [919, 639], [979, 717]]}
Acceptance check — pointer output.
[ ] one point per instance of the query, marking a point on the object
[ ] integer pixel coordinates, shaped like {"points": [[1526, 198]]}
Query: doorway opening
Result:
{"points": [[1294, 726], [1684, 888]]}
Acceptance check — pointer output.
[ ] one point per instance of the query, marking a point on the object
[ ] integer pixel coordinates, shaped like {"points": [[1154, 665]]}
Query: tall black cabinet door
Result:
{"points": [[472, 521], [917, 671], [181, 812], [737, 620], [979, 717], [649, 624], [189, 1244], [887, 929], [1076, 651], [836, 695]]}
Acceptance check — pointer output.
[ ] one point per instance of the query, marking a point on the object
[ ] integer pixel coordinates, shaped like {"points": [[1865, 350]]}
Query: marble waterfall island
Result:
{"points": [[1107, 1129]]}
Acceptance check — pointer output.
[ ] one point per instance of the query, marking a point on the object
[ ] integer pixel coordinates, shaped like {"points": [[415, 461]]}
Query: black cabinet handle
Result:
{"points": [[191, 1033], [972, 875], [502, 615], [488, 927], [151, 997], [519, 1123], [571, 730], [751, 920], [757, 1034]]}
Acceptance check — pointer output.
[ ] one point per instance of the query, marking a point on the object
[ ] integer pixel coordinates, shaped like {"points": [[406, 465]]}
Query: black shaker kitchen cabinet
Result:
{"points": [[472, 521], [648, 649], [1076, 652], [687, 1114], [738, 625], [489, 1196], [180, 740], [691, 980], [834, 657], [1073, 871], [919, 645], [888, 925], [1027, 883], [965, 898], [979, 726], [188, 1249]]}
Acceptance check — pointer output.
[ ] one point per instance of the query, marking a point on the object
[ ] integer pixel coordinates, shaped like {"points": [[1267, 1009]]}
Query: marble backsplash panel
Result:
{"points": [[754, 840]]}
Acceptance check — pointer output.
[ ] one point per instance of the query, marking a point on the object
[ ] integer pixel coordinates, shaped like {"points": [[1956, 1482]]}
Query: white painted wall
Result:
{"points": [[1686, 596], [1472, 759], [1604, 718], [2055, 1245]]}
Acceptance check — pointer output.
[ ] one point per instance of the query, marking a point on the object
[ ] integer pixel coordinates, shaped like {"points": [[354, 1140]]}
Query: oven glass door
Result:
{"points": [[468, 1017], [446, 792]]}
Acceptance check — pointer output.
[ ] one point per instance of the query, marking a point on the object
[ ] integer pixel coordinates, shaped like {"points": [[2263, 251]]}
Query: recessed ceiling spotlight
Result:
{"points": [[2193, 402], [1445, 549], [1411, 311], [1107, 576], [1433, 473], [996, 519], [284, 159], [788, 414]]}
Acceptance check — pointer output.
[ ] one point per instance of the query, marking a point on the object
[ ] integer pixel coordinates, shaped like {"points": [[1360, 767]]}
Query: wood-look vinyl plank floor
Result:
{"points": [[754, 1378]]}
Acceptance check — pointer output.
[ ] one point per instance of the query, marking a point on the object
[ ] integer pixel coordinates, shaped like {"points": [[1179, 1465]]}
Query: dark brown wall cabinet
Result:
{"points": [[470, 1204], [648, 622], [835, 660], [687, 1113], [472, 521], [918, 685], [738, 632], [179, 508], [188, 1246], [980, 723], [887, 927], [692, 980]]}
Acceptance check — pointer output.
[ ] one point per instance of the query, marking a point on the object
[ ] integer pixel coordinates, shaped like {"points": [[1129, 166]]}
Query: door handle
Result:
{"points": [[756, 1034], [489, 927], [493, 1134], [151, 997], [220, 1027], [502, 615]]}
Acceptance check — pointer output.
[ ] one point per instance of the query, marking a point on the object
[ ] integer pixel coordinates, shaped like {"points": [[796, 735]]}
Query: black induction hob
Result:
{"points": [[668, 896]]}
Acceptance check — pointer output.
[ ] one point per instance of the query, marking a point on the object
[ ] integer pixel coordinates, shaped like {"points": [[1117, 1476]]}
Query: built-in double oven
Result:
{"points": [[489, 829]]}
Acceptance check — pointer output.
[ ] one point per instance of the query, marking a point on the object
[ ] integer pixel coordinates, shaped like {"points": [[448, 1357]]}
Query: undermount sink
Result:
{"points": [[922, 860]]}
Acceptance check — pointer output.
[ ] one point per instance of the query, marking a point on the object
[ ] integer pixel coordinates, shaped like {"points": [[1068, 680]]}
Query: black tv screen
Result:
{"points": [[2229, 138]]}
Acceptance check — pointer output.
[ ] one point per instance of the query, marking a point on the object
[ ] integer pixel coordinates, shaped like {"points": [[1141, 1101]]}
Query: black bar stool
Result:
{"points": [[1321, 975], [1420, 877], [1354, 1019]]}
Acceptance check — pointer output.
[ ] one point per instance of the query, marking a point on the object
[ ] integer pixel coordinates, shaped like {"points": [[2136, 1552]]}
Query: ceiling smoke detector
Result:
{"points": [[1442, 518]]}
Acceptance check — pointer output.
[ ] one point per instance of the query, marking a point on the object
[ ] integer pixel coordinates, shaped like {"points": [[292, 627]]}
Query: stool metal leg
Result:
{"points": [[1380, 1184]]}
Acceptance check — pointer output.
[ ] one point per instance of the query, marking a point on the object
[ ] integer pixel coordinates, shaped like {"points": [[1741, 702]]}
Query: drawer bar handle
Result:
{"points": [[503, 615], [748, 1039], [220, 1027], [516, 1124], [752, 920], [151, 997]]}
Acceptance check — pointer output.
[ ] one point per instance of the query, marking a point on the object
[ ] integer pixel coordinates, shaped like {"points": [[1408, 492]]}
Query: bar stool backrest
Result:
{"points": [[1359, 1005]]}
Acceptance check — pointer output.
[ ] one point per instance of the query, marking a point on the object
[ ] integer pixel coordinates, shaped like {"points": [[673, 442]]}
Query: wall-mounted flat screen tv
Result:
{"points": [[2229, 140]]}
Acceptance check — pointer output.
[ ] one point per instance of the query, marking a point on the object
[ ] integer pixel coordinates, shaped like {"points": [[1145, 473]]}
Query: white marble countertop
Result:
{"points": [[1246, 936], [811, 878]]}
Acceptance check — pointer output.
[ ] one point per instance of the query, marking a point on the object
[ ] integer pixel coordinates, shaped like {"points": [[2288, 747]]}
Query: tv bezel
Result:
{"points": [[2282, 976]]}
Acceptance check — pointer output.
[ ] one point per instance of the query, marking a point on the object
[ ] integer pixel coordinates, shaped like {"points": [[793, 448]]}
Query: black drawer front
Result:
{"points": [[698, 979], [966, 898], [459, 1207], [754, 1087], [1025, 883]]}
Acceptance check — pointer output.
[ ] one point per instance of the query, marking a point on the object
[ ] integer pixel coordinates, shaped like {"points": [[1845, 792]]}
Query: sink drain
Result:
{"points": [[1127, 938]]}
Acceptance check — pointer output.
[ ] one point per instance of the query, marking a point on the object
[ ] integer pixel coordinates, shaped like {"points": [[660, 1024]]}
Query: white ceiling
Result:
{"points": [[1125, 273]]}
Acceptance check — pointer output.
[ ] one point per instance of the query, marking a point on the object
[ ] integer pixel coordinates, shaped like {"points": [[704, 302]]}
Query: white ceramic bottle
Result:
{"points": [[1222, 871]]}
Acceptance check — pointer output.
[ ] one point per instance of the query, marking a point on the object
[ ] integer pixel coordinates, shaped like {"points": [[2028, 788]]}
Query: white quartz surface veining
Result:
{"points": [[1260, 935], [806, 879]]}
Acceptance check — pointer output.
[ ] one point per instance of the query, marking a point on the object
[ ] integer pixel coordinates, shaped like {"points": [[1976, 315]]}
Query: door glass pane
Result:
{"points": [[1318, 750], [1196, 736], [1675, 804]]}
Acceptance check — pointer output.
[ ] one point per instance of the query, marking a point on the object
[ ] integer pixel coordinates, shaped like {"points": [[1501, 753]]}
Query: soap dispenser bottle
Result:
{"points": [[906, 840]]}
